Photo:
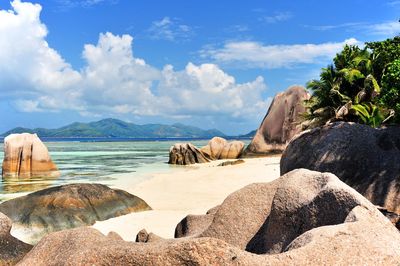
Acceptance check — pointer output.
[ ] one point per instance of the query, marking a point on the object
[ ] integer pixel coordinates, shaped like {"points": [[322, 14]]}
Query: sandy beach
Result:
{"points": [[187, 190]]}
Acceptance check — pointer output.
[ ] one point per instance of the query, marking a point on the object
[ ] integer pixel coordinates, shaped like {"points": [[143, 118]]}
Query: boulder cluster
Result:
{"points": [[302, 218], [282, 121], [337, 184], [216, 149]]}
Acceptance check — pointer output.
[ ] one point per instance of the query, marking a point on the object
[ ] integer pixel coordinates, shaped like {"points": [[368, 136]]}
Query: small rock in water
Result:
{"points": [[232, 162]]}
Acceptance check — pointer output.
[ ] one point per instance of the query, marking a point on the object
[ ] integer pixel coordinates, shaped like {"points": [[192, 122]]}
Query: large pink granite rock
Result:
{"points": [[281, 123], [219, 148], [302, 218], [26, 156], [11, 249], [366, 158]]}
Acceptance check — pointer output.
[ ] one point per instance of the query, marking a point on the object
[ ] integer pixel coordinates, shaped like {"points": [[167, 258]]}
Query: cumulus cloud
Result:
{"points": [[207, 89], [113, 81], [250, 54], [169, 29], [28, 66]]}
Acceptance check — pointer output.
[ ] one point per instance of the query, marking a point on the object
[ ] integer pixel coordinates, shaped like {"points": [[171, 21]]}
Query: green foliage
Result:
{"points": [[345, 90], [383, 54], [390, 95], [369, 114], [362, 85]]}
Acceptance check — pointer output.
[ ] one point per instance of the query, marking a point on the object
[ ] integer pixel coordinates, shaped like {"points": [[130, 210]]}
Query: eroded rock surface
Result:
{"points": [[186, 153], [26, 156], [70, 206], [217, 148], [11, 249], [302, 218], [365, 158], [280, 124]]}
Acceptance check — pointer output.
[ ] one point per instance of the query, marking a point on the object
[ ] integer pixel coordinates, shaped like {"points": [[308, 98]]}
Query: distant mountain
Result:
{"points": [[249, 135], [109, 128]]}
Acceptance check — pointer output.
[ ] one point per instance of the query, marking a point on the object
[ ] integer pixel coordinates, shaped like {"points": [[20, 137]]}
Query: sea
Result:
{"points": [[98, 160]]}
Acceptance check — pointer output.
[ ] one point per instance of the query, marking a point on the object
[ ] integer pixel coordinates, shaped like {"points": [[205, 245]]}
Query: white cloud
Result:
{"points": [[389, 29], [68, 4], [348, 25], [27, 64], [113, 81], [206, 89], [277, 17], [238, 28], [386, 29], [254, 54], [170, 30], [28, 106]]}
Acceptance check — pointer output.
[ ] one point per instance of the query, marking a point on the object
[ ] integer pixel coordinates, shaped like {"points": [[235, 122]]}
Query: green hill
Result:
{"points": [[250, 135], [117, 128]]}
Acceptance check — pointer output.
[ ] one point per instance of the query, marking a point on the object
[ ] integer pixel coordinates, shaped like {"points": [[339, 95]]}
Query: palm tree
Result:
{"points": [[345, 90]]}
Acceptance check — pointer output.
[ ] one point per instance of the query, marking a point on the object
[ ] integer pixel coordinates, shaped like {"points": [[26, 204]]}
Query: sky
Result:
{"points": [[211, 64]]}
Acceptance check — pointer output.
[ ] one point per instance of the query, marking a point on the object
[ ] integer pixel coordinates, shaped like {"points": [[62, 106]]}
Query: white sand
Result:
{"points": [[186, 190]]}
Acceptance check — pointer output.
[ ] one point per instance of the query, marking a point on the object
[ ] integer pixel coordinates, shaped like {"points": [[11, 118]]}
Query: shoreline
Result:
{"points": [[192, 189]]}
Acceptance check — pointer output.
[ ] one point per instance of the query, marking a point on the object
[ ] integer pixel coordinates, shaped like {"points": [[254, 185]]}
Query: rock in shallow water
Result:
{"points": [[365, 158], [26, 156], [302, 218], [70, 206]]}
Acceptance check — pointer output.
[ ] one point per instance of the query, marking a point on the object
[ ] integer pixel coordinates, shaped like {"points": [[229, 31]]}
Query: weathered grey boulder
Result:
{"points": [[186, 153], [70, 206], [280, 124], [11, 249], [192, 225], [242, 214], [144, 237], [320, 221], [266, 218], [365, 158], [26, 156]]}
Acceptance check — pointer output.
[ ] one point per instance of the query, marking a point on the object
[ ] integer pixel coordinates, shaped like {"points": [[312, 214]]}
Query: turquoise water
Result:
{"points": [[96, 162]]}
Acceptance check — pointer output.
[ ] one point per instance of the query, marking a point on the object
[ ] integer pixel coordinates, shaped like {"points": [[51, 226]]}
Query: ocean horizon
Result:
{"points": [[125, 139]]}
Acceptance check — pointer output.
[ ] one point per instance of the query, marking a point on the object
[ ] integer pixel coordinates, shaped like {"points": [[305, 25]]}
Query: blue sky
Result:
{"points": [[212, 64]]}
